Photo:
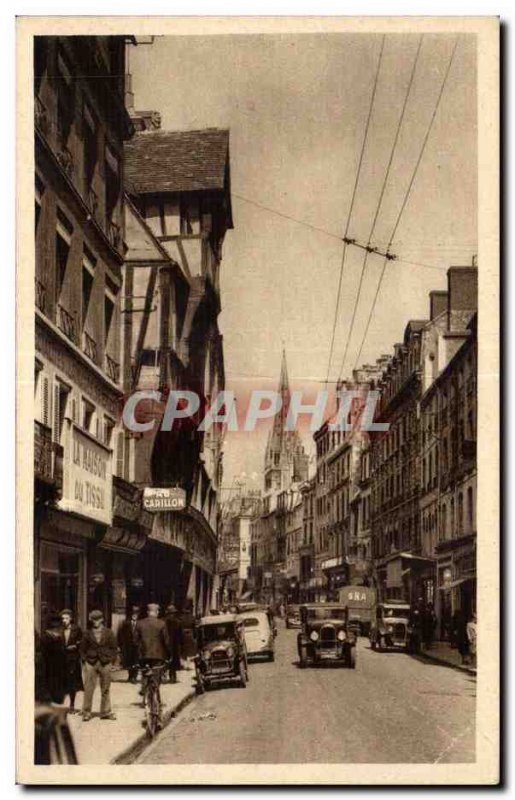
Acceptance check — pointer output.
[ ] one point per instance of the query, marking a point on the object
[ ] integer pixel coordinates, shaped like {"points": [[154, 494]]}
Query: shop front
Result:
{"points": [[406, 577], [116, 576], [67, 532], [456, 581], [180, 560]]}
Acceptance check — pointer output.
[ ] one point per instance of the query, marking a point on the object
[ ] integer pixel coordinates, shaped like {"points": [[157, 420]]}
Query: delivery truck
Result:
{"points": [[361, 602]]}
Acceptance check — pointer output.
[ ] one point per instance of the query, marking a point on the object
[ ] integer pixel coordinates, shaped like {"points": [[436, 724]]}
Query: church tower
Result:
{"points": [[286, 461]]}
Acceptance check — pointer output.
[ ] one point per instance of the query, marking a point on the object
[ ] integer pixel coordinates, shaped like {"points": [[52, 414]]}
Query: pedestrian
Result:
{"points": [[174, 628], [152, 637], [98, 651], [472, 638], [462, 641], [429, 624], [128, 643], [54, 660], [72, 636]]}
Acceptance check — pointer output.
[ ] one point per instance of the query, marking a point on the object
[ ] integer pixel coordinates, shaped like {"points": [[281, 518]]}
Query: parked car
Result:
{"points": [[259, 634], [53, 742], [390, 626], [326, 635], [221, 651], [293, 616]]}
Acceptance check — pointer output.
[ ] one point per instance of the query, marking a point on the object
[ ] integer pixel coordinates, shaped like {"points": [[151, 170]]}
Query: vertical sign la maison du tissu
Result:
{"points": [[88, 478]]}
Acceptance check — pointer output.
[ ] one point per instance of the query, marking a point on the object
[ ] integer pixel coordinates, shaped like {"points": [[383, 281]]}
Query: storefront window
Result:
{"points": [[60, 581]]}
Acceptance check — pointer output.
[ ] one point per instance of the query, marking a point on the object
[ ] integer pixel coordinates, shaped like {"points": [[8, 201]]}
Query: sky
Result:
{"points": [[296, 107]]}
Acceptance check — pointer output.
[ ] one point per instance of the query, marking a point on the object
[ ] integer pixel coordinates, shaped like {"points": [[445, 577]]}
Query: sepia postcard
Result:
{"points": [[258, 400]]}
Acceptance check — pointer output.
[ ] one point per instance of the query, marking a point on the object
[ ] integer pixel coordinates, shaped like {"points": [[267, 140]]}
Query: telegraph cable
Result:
{"points": [[406, 197]]}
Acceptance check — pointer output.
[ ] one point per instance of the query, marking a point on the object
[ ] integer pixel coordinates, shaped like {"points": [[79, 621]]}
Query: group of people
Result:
{"points": [[69, 660], [423, 622]]}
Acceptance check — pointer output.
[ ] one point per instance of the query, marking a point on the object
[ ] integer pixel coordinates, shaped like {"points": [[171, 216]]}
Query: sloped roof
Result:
{"points": [[177, 161]]}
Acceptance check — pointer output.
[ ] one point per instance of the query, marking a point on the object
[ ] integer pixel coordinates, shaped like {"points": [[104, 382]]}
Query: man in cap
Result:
{"points": [[153, 642], [128, 643], [98, 650], [152, 637]]}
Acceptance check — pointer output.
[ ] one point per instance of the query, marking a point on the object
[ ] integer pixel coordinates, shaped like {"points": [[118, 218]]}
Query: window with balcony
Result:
{"points": [[65, 101], [88, 415], [112, 195], [90, 155]]}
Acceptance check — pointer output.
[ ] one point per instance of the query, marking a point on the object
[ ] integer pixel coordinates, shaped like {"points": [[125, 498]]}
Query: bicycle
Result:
{"points": [[150, 682]]}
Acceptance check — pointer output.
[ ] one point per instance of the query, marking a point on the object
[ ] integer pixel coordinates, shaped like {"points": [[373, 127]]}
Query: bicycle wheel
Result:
{"points": [[152, 710]]}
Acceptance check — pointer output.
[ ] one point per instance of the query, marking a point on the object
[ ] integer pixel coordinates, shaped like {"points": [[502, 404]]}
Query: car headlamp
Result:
{"points": [[341, 636], [313, 636], [230, 652]]}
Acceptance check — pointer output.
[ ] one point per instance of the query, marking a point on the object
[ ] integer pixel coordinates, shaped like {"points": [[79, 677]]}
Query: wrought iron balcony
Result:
{"points": [[43, 452], [112, 368], [66, 323], [65, 159], [48, 457], [90, 347], [40, 292]]}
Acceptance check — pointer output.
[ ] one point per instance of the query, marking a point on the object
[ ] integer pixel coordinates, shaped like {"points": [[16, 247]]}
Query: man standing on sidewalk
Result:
{"points": [[98, 651], [128, 644]]}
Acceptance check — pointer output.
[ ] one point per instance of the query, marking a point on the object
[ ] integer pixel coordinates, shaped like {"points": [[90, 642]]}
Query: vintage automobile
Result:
{"points": [[326, 635], [221, 651], [293, 616], [259, 634], [390, 626]]}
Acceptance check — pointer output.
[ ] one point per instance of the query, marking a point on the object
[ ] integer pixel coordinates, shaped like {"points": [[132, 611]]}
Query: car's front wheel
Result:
{"points": [[352, 658]]}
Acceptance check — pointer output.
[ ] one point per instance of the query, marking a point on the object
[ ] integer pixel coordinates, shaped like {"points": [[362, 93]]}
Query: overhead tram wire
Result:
{"points": [[380, 202], [351, 207], [406, 197], [339, 238]]}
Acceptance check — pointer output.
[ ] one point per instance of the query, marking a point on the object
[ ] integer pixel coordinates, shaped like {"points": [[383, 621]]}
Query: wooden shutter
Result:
{"points": [[45, 410]]}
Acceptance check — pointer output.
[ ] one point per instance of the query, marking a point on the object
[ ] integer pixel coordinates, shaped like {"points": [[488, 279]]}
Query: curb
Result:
{"points": [[135, 749], [444, 663]]}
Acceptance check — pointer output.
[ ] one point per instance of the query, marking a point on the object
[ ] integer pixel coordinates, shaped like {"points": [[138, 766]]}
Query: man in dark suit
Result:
{"points": [[152, 637], [98, 650], [128, 643]]}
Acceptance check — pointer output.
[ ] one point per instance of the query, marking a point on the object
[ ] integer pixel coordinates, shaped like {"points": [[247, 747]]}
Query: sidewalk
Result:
{"points": [[117, 742], [443, 653]]}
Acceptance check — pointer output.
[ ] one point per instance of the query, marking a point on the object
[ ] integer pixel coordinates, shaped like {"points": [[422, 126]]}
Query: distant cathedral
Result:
{"points": [[286, 461]]}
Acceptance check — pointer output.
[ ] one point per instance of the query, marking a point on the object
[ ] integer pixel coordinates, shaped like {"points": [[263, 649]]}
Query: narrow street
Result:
{"points": [[392, 709]]}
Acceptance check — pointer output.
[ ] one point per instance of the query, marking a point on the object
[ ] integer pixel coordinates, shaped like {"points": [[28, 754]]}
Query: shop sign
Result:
{"points": [[164, 499], [87, 476]]}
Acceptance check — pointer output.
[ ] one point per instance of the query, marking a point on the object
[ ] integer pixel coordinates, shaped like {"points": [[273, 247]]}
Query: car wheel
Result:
{"points": [[303, 658], [373, 644], [352, 658], [243, 675], [271, 657]]}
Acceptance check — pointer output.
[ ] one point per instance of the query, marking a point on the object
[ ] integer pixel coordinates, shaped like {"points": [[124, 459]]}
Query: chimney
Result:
{"points": [[437, 303], [462, 296]]}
